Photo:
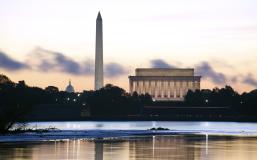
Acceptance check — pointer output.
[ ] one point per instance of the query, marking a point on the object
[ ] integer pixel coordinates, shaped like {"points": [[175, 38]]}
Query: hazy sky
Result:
{"points": [[48, 42]]}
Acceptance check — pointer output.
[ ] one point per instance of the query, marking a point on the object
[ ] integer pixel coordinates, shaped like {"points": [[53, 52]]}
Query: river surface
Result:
{"points": [[177, 147], [197, 141], [144, 125]]}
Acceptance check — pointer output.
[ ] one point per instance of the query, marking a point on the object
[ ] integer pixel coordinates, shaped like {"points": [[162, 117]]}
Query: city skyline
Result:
{"points": [[221, 46]]}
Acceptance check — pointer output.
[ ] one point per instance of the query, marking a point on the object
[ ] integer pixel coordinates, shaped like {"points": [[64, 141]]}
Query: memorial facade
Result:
{"points": [[164, 83]]}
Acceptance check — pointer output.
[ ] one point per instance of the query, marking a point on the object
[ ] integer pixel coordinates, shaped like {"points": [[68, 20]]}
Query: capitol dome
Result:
{"points": [[70, 88]]}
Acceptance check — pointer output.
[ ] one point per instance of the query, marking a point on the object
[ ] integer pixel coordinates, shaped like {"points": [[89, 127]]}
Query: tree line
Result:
{"points": [[245, 103], [17, 100]]}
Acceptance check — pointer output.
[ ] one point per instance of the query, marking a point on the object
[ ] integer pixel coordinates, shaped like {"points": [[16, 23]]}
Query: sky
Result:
{"points": [[48, 42]]}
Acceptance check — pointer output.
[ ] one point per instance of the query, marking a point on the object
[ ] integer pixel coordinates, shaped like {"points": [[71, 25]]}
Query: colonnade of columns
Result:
{"points": [[164, 89]]}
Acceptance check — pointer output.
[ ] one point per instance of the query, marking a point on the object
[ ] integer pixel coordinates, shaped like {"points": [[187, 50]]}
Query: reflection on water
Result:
{"points": [[144, 148], [143, 125]]}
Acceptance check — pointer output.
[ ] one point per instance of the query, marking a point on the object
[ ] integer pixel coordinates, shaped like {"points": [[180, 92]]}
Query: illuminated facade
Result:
{"points": [[164, 83]]}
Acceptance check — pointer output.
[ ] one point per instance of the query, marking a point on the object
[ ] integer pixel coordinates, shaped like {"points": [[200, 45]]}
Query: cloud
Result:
{"points": [[206, 71], [67, 65], [88, 67], [44, 60], [159, 63], [249, 79], [50, 61], [203, 69], [114, 70], [221, 63], [8, 63]]}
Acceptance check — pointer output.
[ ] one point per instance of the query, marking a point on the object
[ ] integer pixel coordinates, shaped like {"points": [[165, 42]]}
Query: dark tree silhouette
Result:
{"points": [[17, 101], [52, 89], [112, 101]]}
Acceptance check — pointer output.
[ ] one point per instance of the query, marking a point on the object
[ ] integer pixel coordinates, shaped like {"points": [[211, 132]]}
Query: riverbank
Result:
{"points": [[109, 134], [113, 129]]}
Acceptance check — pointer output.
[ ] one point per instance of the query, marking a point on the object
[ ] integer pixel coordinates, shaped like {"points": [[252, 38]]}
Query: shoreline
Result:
{"points": [[62, 135]]}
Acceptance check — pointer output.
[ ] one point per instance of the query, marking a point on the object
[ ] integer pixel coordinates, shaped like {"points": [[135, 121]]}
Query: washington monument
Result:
{"points": [[99, 53]]}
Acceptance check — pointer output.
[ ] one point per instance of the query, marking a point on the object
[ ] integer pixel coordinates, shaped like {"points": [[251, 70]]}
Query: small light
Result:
{"points": [[84, 104], [206, 101], [74, 100], [78, 94], [68, 99]]}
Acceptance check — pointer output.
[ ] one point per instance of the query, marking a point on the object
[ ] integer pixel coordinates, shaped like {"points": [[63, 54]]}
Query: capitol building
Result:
{"points": [[164, 83], [70, 88]]}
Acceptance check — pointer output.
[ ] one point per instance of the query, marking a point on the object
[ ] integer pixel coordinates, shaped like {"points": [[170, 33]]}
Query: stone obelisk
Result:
{"points": [[99, 79]]}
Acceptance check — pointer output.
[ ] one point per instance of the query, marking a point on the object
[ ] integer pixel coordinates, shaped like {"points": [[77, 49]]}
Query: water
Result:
{"points": [[117, 141], [144, 125], [179, 147]]}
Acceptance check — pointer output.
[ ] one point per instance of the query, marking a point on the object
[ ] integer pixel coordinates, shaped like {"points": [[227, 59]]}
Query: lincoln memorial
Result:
{"points": [[164, 83]]}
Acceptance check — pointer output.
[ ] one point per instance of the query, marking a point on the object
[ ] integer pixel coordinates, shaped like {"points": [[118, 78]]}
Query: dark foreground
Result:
{"points": [[158, 147]]}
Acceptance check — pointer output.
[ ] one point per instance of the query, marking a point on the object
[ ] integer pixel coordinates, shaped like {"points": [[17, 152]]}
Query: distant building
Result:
{"points": [[164, 83], [70, 88]]}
